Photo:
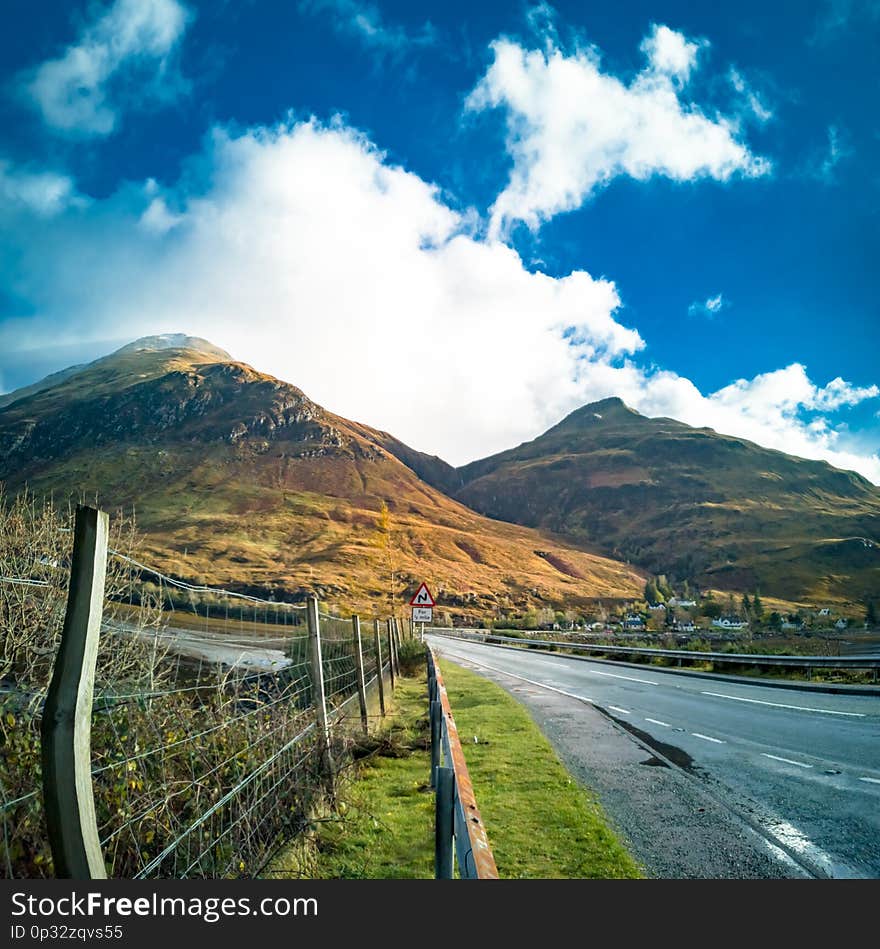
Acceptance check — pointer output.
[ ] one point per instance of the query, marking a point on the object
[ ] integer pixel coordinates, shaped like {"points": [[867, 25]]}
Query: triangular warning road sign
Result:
{"points": [[423, 597]]}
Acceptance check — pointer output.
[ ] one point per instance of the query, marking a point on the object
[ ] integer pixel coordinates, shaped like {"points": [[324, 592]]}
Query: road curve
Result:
{"points": [[802, 768]]}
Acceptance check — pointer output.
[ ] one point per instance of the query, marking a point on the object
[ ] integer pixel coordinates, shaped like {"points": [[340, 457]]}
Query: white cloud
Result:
{"points": [[572, 128], [710, 307], [824, 165], [754, 101], [364, 21], [308, 255], [839, 393], [44, 192], [71, 92], [312, 258], [670, 53]]}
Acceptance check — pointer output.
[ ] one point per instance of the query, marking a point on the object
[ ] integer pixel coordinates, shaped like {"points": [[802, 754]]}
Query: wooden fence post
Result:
{"points": [[67, 716], [391, 654], [319, 697], [361, 684], [444, 821], [395, 632], [378, 640]]}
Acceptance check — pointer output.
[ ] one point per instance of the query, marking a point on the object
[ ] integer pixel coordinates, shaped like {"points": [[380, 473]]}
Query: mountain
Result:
{"points": [[689, 503], [147, 343], [238, 478]]}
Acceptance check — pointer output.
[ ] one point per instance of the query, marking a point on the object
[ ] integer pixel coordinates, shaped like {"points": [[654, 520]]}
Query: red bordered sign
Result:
{"points": [[423, 597]]}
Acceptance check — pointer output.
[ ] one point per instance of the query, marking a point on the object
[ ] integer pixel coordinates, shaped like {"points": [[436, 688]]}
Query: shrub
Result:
{"points": [[411, 655]]}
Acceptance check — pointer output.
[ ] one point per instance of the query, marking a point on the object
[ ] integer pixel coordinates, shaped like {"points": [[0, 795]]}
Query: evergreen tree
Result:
{"points": [[746, 606], [757, 605], [871, 614]]}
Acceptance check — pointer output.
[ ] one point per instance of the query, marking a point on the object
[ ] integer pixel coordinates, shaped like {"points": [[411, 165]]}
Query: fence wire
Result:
{"points": [[204, 749]]}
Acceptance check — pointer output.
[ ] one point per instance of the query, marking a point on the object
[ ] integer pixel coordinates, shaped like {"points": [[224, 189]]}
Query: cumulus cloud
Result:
{"points": [[308, 255], [365, 22], [573, 127], [74, 92], [44, 192], [710, 307], [304, 252], [670, 53]]}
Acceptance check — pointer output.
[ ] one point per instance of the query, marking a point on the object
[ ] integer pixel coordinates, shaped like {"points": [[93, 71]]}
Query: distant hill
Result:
{"points": [[689, 503], [239, 478]]}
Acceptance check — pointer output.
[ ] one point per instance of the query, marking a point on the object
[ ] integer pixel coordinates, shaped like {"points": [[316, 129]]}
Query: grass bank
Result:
{"points": [[540, 822]]}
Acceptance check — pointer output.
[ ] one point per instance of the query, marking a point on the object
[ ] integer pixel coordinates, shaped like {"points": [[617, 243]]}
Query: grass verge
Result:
{"points": [[541, 823], [384, 827]]}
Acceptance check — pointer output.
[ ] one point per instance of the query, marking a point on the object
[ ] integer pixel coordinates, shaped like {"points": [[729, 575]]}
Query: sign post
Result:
{"points": [[422, 605]]}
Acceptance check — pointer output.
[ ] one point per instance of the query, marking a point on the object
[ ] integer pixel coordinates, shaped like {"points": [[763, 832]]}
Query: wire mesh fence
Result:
{"points": [[205, 753]]}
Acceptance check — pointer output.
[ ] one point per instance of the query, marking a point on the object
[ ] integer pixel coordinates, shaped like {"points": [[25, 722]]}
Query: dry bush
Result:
{"points": [[194, 759]]}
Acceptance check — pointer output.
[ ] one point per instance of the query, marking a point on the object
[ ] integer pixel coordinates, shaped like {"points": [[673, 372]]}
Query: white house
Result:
{"points": [[674, 601], [841, 624], [825, 611], [730, 622]]}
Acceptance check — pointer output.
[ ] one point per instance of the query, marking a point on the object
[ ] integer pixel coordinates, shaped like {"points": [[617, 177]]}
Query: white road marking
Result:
{"points": [[796, 840], [612, 675], [717, 741], [870, 780], [513, 675], [621, 710], [799, 708], [800, 764], [656, 721]]}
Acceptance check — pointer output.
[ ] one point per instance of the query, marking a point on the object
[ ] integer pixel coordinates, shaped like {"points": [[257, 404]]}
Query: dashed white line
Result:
{"points": [[717, 741], [656, 721], [870, 780], [513, 675], [623, 711], [799, 708], [800, 764], [612, 675]]}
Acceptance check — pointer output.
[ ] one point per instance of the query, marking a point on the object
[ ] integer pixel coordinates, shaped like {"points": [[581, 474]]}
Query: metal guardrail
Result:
{"points": [[459, 827], [791, 661]]}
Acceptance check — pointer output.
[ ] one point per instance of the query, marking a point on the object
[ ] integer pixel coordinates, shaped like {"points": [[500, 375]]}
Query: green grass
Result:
{"points": [[540, 822], [386, 825]]}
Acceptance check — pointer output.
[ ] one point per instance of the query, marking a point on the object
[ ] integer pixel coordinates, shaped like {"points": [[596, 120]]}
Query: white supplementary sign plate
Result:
{"points": [[422, 614]]}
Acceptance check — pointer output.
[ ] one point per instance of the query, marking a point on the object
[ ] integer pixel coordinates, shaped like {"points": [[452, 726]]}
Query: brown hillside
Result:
{"points": [[239, 479], [716, 510]]}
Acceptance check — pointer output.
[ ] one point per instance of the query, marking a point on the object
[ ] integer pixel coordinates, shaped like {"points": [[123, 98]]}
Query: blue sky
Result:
{"points": [[456, 221]]}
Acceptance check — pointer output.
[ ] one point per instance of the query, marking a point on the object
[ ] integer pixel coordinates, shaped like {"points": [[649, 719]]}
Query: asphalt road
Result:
{"points": [[241, 652], [801, 768]]}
